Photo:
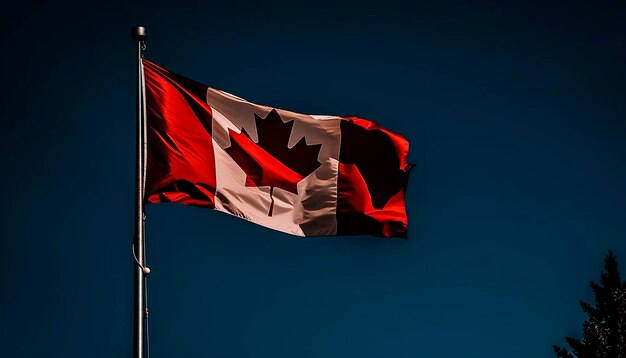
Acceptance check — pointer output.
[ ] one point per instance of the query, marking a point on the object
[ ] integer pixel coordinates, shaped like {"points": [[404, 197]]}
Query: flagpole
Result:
{"points": [[140, 312]]}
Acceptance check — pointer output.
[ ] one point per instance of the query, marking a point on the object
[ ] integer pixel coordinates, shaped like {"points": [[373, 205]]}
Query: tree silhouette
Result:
{"points": [[604, 331]]}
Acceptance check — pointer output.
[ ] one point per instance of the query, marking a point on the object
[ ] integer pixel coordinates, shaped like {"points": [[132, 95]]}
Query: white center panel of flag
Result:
{"points": [[301, 214]]}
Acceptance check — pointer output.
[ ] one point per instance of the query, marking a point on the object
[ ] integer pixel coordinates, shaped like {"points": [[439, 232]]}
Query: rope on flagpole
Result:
{"points": [[145, 269], [145, 290]]}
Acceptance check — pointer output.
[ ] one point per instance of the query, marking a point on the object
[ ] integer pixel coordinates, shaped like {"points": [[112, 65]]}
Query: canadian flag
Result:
{"points": [[306, 175]]}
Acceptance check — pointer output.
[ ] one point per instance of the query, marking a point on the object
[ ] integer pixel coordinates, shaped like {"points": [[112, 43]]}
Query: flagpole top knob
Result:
{"points": [[138, 33]]}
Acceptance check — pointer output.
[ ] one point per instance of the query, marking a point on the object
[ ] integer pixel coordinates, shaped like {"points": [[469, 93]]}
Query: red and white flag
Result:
{"points": [[306, 175]]}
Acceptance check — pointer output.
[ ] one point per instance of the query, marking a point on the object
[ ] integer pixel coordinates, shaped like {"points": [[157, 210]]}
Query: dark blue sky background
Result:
{"points": [[516, 115]]}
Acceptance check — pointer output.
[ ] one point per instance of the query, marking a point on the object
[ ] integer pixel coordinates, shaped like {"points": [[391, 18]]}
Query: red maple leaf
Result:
{"points": [[269, 162]]}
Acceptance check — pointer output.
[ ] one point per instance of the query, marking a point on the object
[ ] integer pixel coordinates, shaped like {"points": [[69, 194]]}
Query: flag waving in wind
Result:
{"points": [[306, 175]]}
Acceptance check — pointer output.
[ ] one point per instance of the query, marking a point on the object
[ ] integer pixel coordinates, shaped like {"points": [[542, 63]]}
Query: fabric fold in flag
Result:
{"points": [[305, 175]]}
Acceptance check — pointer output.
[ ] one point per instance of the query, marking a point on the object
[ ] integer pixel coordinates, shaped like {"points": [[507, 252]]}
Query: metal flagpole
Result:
{"points": [[140, 311]]}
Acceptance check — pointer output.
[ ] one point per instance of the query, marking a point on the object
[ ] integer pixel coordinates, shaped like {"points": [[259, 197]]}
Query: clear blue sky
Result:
{"points": [[516, 117]]}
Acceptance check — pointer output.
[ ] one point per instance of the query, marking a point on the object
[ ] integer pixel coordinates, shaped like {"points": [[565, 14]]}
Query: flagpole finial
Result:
{"points": [[138, 33]]}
